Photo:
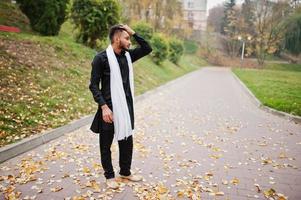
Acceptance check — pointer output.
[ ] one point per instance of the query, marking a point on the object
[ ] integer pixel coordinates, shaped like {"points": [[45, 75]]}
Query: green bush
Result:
{"points": [[46, 17], [94, 18], [176, 50], [160, 48], [190, 46], [144, 29]]}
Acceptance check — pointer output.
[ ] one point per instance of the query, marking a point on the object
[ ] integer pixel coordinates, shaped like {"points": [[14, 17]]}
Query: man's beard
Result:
{"points": [[123, 47]]}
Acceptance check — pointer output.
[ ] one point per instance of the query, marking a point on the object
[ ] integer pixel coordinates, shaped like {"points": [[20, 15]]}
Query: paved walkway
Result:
{"points": [[198, 138]]}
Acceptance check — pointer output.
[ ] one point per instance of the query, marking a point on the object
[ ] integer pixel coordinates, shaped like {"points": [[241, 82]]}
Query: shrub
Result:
{"points": [[160, 48], [190, 46], [94, 18], [176, 50], [144, 29], [46, 17]]}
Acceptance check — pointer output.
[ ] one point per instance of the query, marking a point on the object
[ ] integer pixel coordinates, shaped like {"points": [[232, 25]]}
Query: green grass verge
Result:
{"points": [[149, 75], [276, 85], [44, 81]]}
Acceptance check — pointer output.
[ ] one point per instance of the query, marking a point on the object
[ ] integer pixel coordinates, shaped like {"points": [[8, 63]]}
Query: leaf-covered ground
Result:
{"points": [[198, 138], [43, 85]]}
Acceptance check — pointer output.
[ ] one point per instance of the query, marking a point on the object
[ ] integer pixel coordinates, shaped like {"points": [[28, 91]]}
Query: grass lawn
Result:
{"points": [[44, 81], [276, 85], [148, 75]]}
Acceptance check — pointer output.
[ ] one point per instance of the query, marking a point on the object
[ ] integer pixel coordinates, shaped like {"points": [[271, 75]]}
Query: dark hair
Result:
{"points": [[115, 29]]}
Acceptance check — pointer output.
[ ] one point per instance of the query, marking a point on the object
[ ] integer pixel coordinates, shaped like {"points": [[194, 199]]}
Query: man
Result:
{"points": [[115, 115]]}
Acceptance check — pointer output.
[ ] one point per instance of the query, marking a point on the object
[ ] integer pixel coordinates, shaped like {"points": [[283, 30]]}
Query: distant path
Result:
{"points": [[200, 133]]}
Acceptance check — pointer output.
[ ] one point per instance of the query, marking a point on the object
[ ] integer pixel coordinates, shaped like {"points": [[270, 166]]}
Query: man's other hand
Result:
{"points": [[107, 114]]}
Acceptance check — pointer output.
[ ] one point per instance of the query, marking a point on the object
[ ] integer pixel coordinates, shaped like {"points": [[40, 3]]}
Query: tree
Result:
{"points": [[215, 18], [295, 3], [208, 42], [232, 30], [163, 15], [228, 12], [46, 17], [248, 16], [269, 30], [94, 18], [292, 36], [172, 15]]}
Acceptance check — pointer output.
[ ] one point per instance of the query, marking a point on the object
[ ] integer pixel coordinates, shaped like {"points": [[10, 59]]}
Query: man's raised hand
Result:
{"points": [[128, 29]]}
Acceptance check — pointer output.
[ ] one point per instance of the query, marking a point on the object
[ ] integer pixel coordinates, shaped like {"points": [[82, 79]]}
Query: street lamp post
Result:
{"points": [[243, 48]]}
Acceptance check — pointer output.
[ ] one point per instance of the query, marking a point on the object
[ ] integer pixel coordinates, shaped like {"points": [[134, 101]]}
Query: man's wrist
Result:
{"points": [[131, 33], [104, 106]]}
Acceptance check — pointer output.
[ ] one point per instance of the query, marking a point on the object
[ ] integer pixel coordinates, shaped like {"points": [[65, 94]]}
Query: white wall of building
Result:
{"points": [[195, 12]]}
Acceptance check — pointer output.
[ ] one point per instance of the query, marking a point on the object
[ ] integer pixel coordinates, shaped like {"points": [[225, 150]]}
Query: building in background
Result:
{"points": [[194, 12]]}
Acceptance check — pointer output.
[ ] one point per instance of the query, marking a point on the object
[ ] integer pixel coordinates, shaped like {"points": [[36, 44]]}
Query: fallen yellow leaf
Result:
{"points": [[235, 181], [56, 189]]}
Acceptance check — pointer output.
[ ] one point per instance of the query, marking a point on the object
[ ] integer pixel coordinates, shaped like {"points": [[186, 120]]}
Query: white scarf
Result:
{"points": [[121, 115]]}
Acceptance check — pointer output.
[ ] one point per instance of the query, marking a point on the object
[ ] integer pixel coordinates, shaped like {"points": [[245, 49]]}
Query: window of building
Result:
{"points": [[190, 4], [190, 15]]}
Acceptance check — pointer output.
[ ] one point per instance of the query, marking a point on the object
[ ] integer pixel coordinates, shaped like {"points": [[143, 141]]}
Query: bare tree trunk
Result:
{"points": [[157, 15]]}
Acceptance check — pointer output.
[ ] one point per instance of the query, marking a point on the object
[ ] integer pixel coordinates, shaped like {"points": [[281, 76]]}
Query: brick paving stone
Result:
{"points": [[201, 133]]}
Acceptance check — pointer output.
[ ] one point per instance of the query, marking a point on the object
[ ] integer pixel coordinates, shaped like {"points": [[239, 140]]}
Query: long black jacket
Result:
{"points": [[100, 75]]}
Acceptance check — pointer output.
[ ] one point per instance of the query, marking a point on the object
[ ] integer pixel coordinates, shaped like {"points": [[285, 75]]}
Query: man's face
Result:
{"points": [[123, 40]]}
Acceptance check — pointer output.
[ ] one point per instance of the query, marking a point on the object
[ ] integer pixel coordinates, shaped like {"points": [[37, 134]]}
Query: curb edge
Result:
{"points": [[258, 103]]}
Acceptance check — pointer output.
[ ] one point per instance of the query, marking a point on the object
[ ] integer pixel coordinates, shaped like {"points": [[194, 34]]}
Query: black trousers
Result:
{"points": [[125, 154]]}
